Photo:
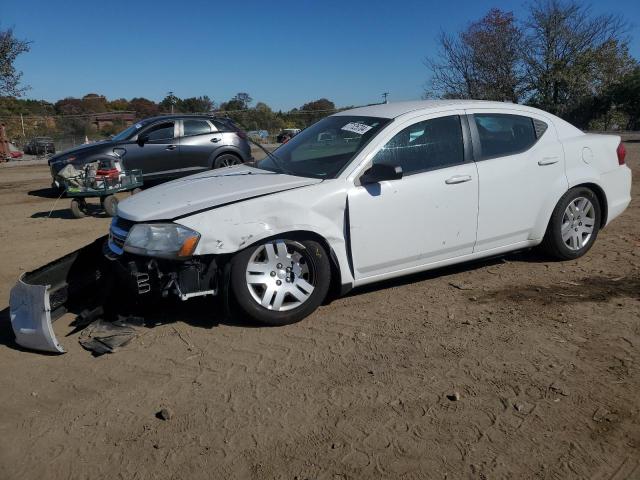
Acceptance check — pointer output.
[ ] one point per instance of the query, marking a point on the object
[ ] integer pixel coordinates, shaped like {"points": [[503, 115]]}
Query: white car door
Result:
{"points": [[521, 172], [430, 213]]}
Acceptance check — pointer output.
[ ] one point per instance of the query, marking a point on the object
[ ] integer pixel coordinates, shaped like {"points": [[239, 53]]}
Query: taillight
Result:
{"points": [[622, 153]]}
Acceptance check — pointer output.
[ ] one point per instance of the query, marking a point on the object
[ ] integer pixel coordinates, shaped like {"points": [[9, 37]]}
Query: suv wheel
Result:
{"points": [[226, 160]]}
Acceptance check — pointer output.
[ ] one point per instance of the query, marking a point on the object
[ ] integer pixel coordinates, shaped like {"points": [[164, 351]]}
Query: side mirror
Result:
{"points": [[142, 139], [380, 172]]}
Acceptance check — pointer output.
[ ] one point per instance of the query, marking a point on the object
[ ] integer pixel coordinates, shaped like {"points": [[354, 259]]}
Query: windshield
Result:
{"points": [[325, 148], [128, 132]]}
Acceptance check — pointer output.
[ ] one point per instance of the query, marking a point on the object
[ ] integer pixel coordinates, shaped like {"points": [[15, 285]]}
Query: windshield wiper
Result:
{"points": [[277, 160]]}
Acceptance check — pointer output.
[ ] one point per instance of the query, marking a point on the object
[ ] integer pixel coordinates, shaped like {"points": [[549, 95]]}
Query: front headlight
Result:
{"points": [[166, 240]]}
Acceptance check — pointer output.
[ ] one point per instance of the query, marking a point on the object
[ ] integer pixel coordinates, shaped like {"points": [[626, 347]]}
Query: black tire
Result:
{"points": [[553, 244], [110, 205], [318, 263], [79, 207], [226, 160]]}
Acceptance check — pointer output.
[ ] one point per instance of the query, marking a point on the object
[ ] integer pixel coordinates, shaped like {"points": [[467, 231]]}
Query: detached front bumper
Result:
{"points": [[43, 295]]}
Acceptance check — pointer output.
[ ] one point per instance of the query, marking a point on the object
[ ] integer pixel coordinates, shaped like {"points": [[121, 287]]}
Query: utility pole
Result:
{"points": [[384, 97], [22, 122], [171, 99]]}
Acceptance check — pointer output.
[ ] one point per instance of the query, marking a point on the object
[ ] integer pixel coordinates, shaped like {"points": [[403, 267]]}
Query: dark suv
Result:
{"points": [[165, 147], [40, 146]]}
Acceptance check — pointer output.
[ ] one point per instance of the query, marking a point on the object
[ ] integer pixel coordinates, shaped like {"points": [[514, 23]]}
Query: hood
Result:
{"points": [[206, 190], [80, 149]]}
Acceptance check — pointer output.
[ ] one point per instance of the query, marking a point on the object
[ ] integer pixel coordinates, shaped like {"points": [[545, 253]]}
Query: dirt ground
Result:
{"points": [[544, 358]]}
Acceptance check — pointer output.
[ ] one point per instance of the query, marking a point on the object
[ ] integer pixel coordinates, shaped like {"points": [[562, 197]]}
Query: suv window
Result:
{"points": [[195, 127], [224, 125], [161, 131], [503, 134], [427, 145]]}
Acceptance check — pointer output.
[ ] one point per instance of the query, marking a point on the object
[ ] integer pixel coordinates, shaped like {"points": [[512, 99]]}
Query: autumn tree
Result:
{"points": [[94, 103], [484, 61], [144, 107], [119, 104], [69, 106]]}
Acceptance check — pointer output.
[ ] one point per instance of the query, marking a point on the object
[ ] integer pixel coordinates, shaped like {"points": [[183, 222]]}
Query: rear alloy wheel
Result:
{"points": [[280, 281], [226, 160], [574, 224]]}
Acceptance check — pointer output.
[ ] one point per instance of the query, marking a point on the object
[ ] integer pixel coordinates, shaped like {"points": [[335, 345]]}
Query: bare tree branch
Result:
{"points": [[10, 49]]}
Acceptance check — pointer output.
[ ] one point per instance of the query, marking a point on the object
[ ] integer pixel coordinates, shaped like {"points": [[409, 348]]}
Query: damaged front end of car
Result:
{"points": [[157, 259], [135, 263]]}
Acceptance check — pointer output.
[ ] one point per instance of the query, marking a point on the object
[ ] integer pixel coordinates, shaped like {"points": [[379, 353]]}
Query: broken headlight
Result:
{"points": [[165, 240]]}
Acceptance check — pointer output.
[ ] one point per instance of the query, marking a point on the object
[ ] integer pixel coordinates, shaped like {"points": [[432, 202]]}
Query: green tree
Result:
{"points": [[201, 104], [241, 101], [311, 112], [169, 103], [626, 97], [565, 49], [10, 48]]}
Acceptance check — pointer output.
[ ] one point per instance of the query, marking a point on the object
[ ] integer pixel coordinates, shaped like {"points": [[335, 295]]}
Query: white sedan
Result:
{"points": [[370, 194]]}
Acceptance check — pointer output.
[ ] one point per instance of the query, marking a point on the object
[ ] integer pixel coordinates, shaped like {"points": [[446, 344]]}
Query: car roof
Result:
{"points": [[177, 116], [396, 109]]}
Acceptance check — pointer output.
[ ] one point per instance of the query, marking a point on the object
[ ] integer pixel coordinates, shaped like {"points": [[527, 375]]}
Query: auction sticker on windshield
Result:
{"points": [[356, 127]]}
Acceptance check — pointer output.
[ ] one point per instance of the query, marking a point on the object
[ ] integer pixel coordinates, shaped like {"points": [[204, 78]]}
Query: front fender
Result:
{"points": [[319, 209]]}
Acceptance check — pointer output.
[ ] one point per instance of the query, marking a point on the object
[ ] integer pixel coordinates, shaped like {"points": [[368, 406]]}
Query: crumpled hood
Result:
{"points": [[206, 190]]}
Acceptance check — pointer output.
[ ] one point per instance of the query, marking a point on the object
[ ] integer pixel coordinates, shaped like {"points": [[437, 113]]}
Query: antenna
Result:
{"points": [[384, 97]]}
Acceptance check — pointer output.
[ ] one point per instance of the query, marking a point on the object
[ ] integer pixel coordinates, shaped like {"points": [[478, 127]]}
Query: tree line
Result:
{"points": [[72, 117], [561, 57]]}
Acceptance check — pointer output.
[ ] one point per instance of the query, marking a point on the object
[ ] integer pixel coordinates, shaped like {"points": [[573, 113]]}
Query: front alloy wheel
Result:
{"points": [[280, 281]]}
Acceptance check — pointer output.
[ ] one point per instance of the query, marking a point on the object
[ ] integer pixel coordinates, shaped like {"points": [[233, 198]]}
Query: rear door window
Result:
{"points": [[195, 127], [503, 134]]}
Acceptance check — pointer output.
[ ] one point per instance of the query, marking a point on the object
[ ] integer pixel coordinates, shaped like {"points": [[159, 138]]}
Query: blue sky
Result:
{"points": [[283, 53]]}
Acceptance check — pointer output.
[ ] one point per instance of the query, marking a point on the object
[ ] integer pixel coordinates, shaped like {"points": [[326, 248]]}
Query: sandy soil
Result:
{"points": [[544, 358]]}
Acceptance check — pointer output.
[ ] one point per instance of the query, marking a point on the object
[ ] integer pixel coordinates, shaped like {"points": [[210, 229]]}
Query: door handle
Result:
{"points": [[458, 179], [215, 140], [172, 147], [548, 161]]}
